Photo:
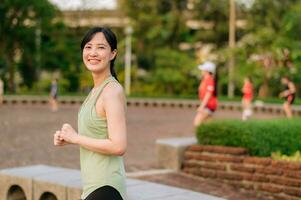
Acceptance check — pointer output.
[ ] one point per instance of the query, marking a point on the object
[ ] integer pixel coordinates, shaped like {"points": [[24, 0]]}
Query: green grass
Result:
{"points": [[261, 138]]}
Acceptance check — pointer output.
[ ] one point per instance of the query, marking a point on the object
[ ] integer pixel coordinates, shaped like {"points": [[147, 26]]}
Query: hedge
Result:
{"points": [[261, 137]]}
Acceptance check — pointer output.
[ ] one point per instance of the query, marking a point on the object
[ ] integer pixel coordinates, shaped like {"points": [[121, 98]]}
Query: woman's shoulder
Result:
{"points": [[291, 83], [113, 88]]}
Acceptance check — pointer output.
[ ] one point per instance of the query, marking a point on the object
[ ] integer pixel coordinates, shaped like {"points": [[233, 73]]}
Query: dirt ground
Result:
{"points": [[26, 134]]}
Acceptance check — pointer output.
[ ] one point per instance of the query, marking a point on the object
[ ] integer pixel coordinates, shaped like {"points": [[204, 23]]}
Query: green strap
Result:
{"points": [[101, 87]]}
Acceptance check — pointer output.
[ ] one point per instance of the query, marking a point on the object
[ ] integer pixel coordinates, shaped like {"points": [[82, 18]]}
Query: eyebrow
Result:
{"points": [[99, 44]]}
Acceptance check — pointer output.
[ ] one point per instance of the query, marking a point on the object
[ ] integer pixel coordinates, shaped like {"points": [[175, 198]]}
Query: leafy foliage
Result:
{"points": [[271, 35], [261, 138], [296, 157], [268, 45], [17, 45]]}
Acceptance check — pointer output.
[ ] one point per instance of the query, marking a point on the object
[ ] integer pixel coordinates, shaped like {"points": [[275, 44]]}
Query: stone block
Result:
{"points": [[58, 185], [170, 151], [19, 181]]}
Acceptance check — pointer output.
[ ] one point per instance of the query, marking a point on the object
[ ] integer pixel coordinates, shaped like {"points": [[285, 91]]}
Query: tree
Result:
{"points": [[21, 21], [268, 38], [156, 24]]}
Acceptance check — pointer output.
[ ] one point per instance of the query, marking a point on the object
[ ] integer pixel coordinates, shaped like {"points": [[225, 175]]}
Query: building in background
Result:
{"points": [[81, 13]]}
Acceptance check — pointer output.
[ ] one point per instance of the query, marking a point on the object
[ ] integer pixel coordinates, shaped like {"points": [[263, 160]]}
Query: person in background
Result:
{"points": [[247, 98], [101, 122], [288, 94], [1, 91], [53, 95], [207, 93]]}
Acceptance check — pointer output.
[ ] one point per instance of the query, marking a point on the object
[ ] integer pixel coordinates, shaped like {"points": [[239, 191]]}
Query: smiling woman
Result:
{"points": [[97, 52], [101, 122]]}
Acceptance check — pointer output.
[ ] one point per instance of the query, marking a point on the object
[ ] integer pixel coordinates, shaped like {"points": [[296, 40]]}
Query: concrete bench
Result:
{"points": [[41, 182], [170, 151]]}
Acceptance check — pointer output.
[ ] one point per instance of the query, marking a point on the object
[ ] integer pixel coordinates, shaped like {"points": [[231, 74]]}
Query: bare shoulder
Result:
{"points": [[113, 89], [291, 85]]}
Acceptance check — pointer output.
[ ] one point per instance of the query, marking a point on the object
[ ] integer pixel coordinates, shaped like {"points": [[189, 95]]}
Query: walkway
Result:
{"points": [[69, 178], [24, 125]]}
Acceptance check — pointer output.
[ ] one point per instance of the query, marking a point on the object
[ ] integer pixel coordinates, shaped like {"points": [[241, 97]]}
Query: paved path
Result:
{"points": [[26, 133], [201, 185], [68, 178], [155, 191]]}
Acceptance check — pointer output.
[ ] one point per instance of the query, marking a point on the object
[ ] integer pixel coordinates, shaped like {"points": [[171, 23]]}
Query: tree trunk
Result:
{"points": [[264, 89], [11, 73]]}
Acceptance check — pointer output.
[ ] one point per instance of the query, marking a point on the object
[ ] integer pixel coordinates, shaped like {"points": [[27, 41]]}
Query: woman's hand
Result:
{"points": [[68, 134], [58, 140], [284, 94]]}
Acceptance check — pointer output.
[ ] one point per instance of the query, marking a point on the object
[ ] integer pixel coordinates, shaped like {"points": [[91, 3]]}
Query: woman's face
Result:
{"points": [[97, 53], [284, 81], [204, 73]]}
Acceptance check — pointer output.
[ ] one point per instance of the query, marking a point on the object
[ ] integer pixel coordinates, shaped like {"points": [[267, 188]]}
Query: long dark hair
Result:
{"points": [[111, 39], [215, 78]]}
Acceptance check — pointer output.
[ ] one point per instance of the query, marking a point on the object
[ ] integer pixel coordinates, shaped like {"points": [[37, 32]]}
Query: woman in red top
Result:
{"points": [[207, 94], [289, 95], [247, 98]]}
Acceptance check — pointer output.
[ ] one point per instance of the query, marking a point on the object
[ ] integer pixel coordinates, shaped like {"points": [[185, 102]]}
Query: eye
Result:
{"points": [[87, 47], [101, 47]]}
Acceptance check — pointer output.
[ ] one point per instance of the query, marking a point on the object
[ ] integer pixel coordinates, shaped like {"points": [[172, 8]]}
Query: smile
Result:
{"points": [[94, 61]]}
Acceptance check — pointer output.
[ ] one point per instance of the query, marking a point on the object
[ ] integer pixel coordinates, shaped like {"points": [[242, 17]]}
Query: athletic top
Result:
{"points": [[98, 169], [291, 97], [248, 91], [54, 89], [208, 85]]}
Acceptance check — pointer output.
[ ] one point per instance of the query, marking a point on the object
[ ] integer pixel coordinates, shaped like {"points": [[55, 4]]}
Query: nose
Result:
{"points": [[93, 52]]}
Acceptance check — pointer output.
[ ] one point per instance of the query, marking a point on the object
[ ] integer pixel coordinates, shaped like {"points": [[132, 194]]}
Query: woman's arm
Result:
{"points": [[113, 103], [292, 88], [243, 89], [205, 101]]}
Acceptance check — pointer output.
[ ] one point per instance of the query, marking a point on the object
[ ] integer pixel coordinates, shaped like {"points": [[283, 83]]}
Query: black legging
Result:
{"points": [[105, 193]]}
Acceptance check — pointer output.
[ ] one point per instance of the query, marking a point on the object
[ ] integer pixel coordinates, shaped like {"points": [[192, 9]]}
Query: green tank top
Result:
{"points": [[98, 169]]}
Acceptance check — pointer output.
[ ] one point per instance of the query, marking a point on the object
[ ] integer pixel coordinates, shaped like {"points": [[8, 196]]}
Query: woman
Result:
{"points": [[247, 98], [101, 122], [207, 94], [1, 91], [53, 95], [289, 95]]}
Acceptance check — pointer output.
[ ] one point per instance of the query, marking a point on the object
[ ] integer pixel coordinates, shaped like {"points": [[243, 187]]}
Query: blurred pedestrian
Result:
{"points": [[247, 98], [1, 91], [207, 93], [54, 94], [289, 95], [101, 122]]}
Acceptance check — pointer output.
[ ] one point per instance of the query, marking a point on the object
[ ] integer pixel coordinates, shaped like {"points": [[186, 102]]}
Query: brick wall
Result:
{"points": [[277, 179]]}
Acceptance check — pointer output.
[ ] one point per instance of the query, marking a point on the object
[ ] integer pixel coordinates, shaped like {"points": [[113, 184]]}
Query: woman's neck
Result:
{"points": [[98, 79]]}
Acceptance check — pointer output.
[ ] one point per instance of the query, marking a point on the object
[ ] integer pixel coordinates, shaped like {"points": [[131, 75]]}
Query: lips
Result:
{"points": [[93, 61]]}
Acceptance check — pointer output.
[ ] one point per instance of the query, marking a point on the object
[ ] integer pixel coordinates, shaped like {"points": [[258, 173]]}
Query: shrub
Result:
{"points": [[294, 157], [261, 138]]}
